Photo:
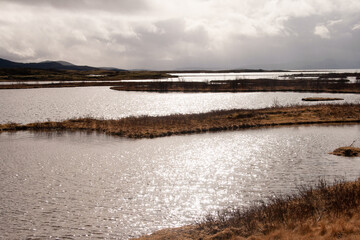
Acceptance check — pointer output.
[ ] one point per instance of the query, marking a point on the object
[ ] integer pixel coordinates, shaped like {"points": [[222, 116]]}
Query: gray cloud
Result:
{"points": [[123, 6], [174, 34]]}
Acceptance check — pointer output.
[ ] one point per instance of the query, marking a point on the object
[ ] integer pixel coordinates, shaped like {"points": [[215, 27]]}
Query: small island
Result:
{"points": [[318, 99], [220, 120], [347, 152]]}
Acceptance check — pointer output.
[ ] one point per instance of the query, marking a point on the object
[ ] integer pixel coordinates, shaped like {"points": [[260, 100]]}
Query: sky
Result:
{"points": [[183, 34]]}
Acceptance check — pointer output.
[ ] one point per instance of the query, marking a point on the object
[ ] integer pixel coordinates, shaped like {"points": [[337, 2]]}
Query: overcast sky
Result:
{"points": [[177, 34]]}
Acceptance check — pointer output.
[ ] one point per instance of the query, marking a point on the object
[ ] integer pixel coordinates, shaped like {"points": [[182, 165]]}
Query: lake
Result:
{"points": [[87, 185], [209, 76], [31, 105]]}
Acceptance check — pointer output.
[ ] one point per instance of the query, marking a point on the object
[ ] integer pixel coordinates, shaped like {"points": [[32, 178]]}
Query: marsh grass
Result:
{"points": [[321, 211], [176, 124], [295, 212], [347, 151], [245, 85], [318, 99], [19, 77]]}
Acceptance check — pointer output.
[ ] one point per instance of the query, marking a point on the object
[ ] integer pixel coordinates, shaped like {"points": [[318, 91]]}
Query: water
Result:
{"points": [[286, 75], [207, 76], [203, 77], [31, 105], [96, 186], [54, 82]]}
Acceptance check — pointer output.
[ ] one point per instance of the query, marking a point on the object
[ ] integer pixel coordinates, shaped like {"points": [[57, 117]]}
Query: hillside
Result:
{"points": [[54, 65]]}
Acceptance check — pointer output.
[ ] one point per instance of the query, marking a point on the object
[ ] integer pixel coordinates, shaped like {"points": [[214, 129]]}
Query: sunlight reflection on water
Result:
{"points": [[102, 186]]}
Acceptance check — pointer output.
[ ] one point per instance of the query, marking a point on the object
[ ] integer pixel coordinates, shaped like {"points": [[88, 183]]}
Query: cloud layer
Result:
{"points": [[157, 34]]}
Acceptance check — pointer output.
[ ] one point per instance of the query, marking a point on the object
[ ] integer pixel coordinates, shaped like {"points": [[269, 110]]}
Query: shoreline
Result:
{"points": [[221, 120], [320, 99], [117, 87], [232, 86], [323, 211], [114, 87], [244, 85]]}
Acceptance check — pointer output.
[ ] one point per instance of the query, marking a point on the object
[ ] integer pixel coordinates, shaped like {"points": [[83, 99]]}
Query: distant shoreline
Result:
{"points": [[296, 81], [320, 99], [244, 85]]}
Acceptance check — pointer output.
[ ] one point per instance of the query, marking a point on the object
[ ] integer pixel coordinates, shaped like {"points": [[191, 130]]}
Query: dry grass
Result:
{"points": [[19, 77], [245, 85], [318, 99], [347, 152], [321, 212], [149, 127]]}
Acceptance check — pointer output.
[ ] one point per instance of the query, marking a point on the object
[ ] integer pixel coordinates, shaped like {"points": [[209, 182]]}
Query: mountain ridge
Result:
{"points": [[53, 65]]}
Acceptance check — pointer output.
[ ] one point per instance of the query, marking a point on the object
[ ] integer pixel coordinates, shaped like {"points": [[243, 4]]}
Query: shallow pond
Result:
{"points": [[31, 105], [97, 186]]}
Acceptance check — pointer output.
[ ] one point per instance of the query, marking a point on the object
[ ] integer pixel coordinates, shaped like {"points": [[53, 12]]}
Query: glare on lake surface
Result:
{"points": [[88, 184]]}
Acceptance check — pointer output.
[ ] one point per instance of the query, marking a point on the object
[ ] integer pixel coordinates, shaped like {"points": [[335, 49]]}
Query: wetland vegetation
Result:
{"points": [[319, 99], [245, 85], [17, 78], [347, 151], [323, 212], [160, 126], [326, 211], [20, 78]]}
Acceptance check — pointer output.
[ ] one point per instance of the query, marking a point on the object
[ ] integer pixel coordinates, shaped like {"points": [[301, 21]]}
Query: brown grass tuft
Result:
{"points": [[347, 152]]}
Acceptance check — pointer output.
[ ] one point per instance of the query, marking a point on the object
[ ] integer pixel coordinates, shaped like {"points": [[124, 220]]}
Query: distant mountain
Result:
{"points": [[112, 69], [61, 62], [8, 64], [54, 65]]}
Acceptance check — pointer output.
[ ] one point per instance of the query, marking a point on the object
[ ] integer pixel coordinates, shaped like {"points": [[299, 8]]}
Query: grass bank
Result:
{"points": [[319, 99], [245, 85], [149, 127], [326, 211], [19, 77]]}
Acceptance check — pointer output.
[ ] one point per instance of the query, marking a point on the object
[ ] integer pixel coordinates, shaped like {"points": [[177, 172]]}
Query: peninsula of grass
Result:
{"points": [[320, 99], [244, 85], [160, 126], [326, 211]]}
